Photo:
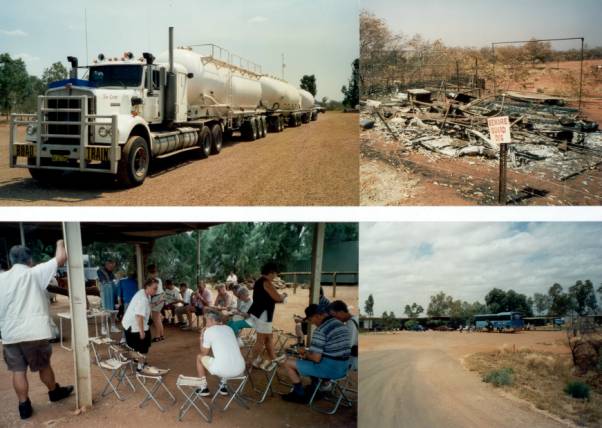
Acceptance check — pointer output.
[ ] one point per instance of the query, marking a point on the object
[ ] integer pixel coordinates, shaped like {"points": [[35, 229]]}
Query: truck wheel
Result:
{"points": [[264, 125], [135, 160], [305, 118], [280, 124], [314, 116], [205, 142], [261, 132], [216, 140]]}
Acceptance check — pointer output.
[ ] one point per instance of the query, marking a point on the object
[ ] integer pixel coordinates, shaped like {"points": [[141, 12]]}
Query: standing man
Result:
{"points": [[232, 279], [25, 323]]}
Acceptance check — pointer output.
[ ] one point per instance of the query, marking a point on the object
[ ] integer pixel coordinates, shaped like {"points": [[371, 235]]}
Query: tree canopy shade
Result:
{"points": [[352, 91], [308, 82]]}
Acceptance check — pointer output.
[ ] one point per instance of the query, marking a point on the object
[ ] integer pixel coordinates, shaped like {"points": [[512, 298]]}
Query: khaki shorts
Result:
{"points": [[35, 354], [208, 362]]}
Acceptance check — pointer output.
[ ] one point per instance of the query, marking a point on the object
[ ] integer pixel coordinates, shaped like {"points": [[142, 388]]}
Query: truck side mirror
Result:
{"points": [[136, 101]]}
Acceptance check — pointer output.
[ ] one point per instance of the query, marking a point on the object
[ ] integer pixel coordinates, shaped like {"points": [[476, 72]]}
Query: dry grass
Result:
{"points": [[540, 378]]}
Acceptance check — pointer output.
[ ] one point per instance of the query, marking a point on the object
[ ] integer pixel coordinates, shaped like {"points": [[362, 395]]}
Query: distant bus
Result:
{"points": [[504, 321]]}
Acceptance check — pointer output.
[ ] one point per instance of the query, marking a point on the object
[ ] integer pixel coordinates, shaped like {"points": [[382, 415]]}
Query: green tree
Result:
{"points": [[14, 82], [308, 82], [440, 305], [369, 306], [542, 303], [413, 311], [583, 297], [352, 91], [508, 301], [561, 303], [56, 71]]}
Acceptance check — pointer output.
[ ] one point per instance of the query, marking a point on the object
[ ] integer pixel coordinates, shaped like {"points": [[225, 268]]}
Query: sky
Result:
{"points": [[403, 263], [316, 37], [478, 23]]}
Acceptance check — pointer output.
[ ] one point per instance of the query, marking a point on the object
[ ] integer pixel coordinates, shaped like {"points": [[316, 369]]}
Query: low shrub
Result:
{"points": [[577, 389], [500, 377]]}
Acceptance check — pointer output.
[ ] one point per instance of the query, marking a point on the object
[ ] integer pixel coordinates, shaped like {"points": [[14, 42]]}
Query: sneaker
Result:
{"points": [[203, 392], [186, 328], [60, 392], [223, 390], [326, 387], [114, 329], [103, 331], [257, 362], [25, 409]]}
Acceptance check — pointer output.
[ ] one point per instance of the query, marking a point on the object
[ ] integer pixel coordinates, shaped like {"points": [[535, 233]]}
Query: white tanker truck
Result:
{"points": [[130, 111]]}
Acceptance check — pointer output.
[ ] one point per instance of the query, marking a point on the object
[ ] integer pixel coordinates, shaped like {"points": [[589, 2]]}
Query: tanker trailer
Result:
{"points": [[129, 111]]}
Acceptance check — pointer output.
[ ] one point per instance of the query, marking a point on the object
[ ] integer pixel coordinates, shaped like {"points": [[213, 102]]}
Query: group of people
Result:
{"points": [[25, 325]]}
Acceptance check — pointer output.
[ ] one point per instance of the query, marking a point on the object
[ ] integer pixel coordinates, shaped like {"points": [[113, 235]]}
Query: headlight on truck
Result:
{"points": [[31, 129], [104, 131]]}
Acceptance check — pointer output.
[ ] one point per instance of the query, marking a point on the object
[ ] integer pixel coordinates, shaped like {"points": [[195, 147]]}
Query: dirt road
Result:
{"points": [[315, 164], [416, 380], [178, 353]]}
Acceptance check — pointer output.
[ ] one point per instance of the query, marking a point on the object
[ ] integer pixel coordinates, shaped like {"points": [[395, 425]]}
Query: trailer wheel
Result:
{"points": [[305, 118], [264, 125], [280, 124], [134, 163], [314, 116], [205, 142], [261, 131], [216, 140]]}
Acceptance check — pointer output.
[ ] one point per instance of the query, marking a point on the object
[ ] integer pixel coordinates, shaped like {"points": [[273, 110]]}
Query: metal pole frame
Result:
{"points": [[77, 310], [493, 44], [317, 255]]}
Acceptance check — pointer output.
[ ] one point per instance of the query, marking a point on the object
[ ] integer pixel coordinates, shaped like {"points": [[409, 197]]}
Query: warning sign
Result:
{"points": [[499, 129]]}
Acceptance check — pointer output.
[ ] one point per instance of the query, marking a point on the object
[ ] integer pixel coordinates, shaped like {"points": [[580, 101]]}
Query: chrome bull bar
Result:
{"points": [[102, 158]]}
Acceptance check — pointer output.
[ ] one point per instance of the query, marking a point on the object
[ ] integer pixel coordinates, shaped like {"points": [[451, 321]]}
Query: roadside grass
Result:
{"points": [[541, 379]]}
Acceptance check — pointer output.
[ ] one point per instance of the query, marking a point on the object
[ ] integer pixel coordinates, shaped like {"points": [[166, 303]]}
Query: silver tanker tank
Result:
{"points": [[210, 84], [277, 94], [307, 99]]}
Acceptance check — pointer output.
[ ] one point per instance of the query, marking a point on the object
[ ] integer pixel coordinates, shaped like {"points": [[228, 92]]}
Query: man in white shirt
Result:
{"points": [[135, 320], [25, 323], [227, 361], [187, 307], [232, 279]]}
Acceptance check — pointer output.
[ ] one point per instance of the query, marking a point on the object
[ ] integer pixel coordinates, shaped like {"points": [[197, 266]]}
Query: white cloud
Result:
{"points": [[27, 57], [402, 263], [14, 33], [257, 19]]}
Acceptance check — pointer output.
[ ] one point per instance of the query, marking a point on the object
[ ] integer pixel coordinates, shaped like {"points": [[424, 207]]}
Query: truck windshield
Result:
{"points": [[116, 75]]}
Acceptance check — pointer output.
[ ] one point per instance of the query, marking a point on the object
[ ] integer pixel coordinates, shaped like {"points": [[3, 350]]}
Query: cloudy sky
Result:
{"points": [[316, 37], [402, 263], [480, 22]]}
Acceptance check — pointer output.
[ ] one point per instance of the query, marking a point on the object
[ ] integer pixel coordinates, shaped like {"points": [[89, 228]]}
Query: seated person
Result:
{"points": [[135, 320], [338, 309], [227, 361], [186, 308], [240, 318], [172, 297], [223, 300], [201, 298], [327, 356], [301, 323]]}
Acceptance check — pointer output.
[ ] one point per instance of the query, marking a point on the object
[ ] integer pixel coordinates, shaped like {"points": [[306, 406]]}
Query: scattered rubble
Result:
{"points": [[546, 133]]}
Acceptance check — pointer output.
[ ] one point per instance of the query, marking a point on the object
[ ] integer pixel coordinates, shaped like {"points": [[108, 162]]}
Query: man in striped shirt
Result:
{"points": [[327, 356]]}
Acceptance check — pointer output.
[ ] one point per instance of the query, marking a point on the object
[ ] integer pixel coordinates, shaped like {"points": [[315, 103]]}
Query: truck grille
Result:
{"points": [[65, 116]]}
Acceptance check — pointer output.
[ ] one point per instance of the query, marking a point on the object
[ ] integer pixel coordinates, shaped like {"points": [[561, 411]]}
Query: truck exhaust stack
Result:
{"points": [[73, 72], [170, 87]]}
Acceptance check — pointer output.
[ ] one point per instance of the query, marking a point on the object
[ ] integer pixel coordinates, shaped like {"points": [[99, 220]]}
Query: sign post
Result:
{"points": [[499, 131]]}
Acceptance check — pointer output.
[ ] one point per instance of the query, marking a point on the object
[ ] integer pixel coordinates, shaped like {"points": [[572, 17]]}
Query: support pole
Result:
{"points": [[334, 284], [317, 254], [581, 76], [22, 233], [77, 310], [502, 180], [139, 266], [198, 256], [493, 58]]}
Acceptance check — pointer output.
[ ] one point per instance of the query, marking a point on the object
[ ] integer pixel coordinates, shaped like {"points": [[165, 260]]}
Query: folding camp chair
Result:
{"points": [[156, 376], [117, 364], [338, 395], [188, 386], [268, 388]]}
